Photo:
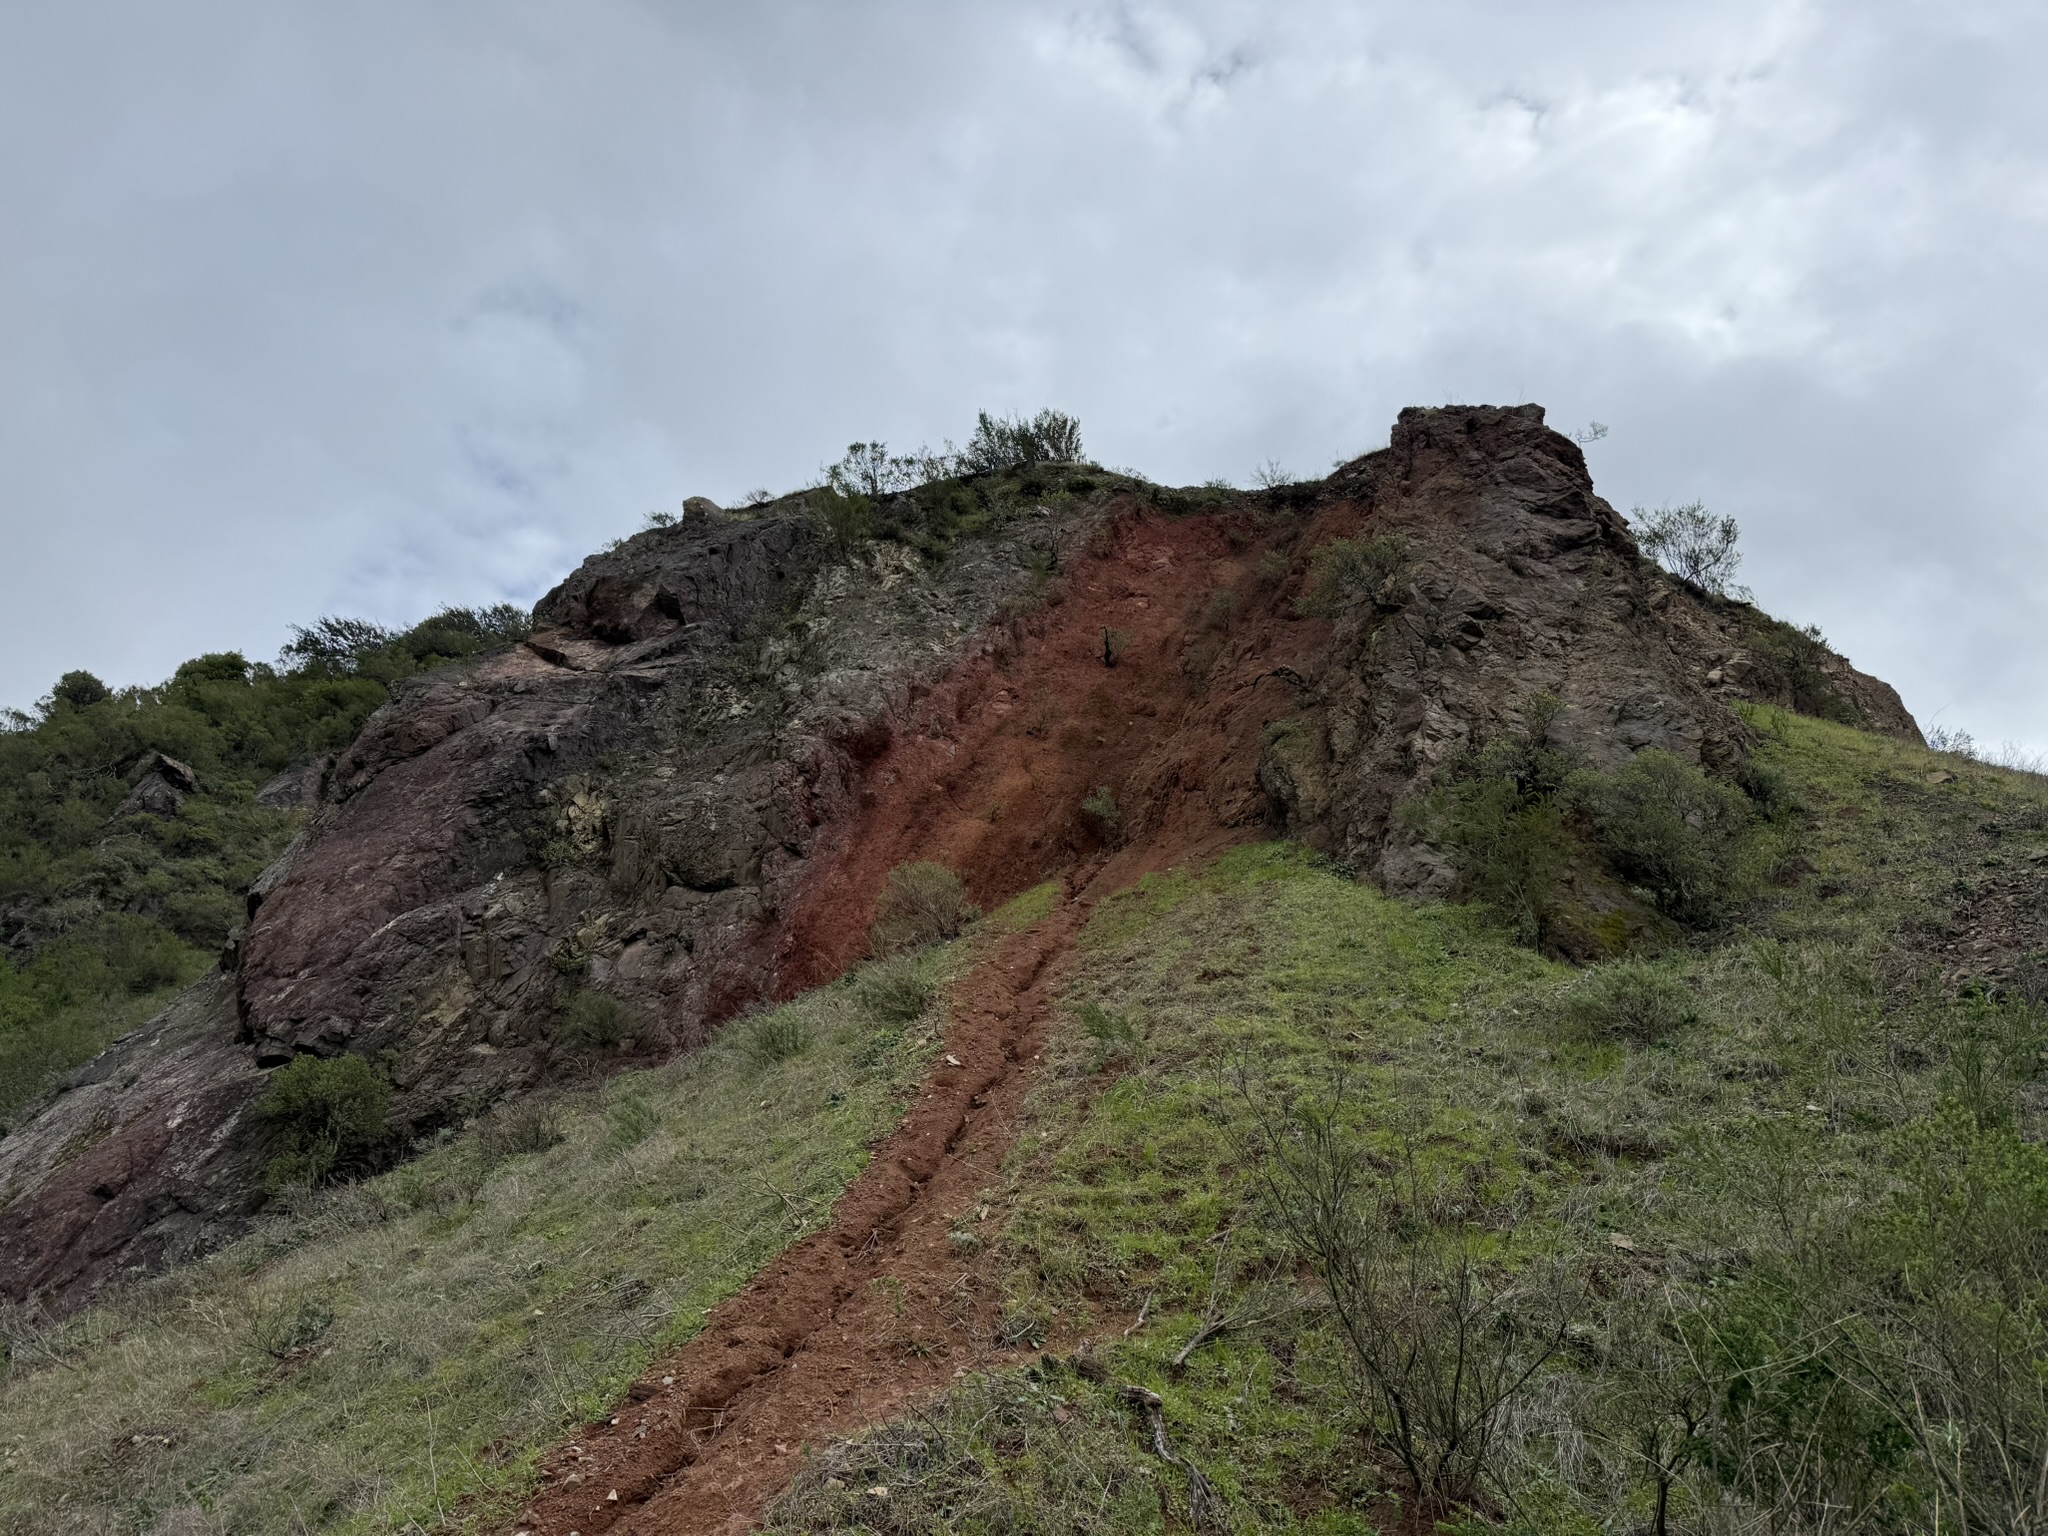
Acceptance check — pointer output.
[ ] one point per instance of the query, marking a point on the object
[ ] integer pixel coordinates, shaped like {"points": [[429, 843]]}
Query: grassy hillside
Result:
{"points": [[1420, 1225], [105, 914], [395, 1354], [1395, 1219]]}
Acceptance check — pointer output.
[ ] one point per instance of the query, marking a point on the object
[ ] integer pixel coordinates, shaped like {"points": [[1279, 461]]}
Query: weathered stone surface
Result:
{"points": [[296, 789], [161, 787], [1523, 582], [637, 799]]}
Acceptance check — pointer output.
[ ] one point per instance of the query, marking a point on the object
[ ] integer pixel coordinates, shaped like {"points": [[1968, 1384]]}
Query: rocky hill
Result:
{"points": [[683, 792]]}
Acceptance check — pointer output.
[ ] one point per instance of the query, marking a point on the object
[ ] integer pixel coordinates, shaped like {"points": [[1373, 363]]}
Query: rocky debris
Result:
{"points": [[685, 790], [160, 787], [701, 506]]}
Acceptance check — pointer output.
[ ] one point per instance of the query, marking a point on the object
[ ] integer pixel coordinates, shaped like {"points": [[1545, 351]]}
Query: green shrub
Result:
{"points": [[281, 1331], [776, 1036], [846, 518], [1769, 791], [1503, 819], [1631, 1001], [1112, 1034], [329, 1115], [1512, 849], [1347, 572], [1101, 809], [596, 1019], [1669, 829], [922, 904], [894, 991], [1002, 443]]}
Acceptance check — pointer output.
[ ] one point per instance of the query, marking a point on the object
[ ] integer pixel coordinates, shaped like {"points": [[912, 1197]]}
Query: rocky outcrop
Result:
{"points": [[161, 785], [1521, 582], [684, 790]]}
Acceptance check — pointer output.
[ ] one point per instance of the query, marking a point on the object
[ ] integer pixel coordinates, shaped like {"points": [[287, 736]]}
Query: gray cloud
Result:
{"points": [[371, 308]]}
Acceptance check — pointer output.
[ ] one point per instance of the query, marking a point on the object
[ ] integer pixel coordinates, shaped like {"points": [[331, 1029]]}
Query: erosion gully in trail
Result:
{"points": [[851, 1324], [854, 1323]]}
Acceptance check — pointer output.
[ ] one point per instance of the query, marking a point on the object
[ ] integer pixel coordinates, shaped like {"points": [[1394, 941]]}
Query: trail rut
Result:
{"points": [[851, 1323]]}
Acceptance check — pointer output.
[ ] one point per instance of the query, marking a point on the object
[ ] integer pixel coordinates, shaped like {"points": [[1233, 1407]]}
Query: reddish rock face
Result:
{"points": [[686, 789]]}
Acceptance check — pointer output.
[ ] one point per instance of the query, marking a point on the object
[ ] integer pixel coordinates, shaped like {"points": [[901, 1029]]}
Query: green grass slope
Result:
{"points": [[395, 1354], [1424, 1228]]}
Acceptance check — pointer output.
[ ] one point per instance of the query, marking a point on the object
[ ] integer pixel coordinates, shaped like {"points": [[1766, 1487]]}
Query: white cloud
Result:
{"points": [[386, 306]]}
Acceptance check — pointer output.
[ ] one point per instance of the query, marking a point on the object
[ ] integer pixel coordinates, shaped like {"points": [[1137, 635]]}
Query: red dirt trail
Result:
{"points": [[984, 772]]}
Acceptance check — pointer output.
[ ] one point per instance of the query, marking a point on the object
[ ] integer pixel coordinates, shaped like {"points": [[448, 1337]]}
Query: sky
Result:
{"points": [[369, 308]]}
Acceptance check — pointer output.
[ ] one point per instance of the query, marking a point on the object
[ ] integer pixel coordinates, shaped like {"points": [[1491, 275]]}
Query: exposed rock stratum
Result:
{"points": [[686, 789]]}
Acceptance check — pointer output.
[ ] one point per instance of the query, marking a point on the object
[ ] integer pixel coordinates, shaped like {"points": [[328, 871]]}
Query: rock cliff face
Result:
{"points": [[683, 793]]}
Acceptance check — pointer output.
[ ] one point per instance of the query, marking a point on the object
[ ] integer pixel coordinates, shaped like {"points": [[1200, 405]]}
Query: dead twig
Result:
{"points": [[1144, 1308], [1204, 1508]]}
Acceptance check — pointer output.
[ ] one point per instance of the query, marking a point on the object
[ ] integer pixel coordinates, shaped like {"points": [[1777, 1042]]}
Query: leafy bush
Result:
{"points": [[1101, 810], [921, 904], [1631, 1001], [1010, 442], [1692, 544], [1503, 819], [776, 1036], [1512, 848], [847, 518], [894, 991], [1671, 830], [1347, 572], [329, 1115], [596, 1019]]}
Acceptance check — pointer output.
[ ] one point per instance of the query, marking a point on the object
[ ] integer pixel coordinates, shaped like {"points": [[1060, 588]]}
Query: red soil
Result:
{"points": [[985, 773]]}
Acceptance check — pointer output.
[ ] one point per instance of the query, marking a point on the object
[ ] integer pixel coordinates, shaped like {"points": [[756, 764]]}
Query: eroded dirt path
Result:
{"points": [[852, 1323]]}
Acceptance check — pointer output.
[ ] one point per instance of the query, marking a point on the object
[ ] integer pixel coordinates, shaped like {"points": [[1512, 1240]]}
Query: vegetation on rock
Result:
{"points": [[107, 908]]}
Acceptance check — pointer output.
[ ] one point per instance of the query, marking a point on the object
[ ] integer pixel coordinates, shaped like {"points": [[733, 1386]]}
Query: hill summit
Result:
{"points": [[998, 913]]}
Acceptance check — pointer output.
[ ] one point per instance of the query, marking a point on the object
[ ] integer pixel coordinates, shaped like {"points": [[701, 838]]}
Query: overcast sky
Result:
{"points": [[372, 307]]}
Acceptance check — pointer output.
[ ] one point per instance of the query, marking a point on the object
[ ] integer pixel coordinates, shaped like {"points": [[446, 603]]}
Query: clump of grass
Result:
{"points": [[516, 1128], [631, 1120], [596, 1019], [921, 904], [776, 1035], [895, 991], [1632, 1001], [931, 1473]]}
